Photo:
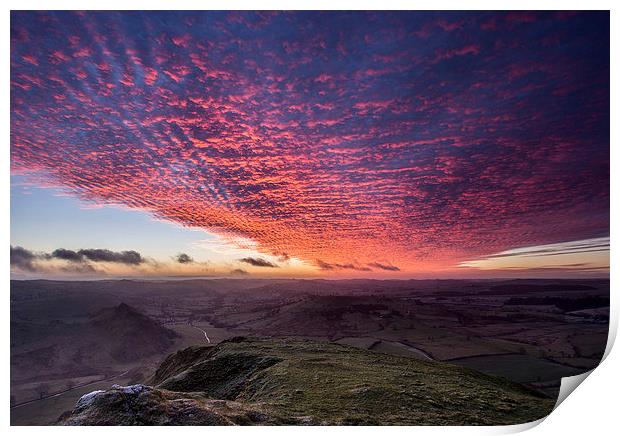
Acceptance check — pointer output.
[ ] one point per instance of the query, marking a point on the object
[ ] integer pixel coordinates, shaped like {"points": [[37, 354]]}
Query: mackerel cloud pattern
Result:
{"points": [[407, 140]]}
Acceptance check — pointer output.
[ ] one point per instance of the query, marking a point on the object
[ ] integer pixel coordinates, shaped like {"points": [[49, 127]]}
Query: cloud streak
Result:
{"points": [[130, 257], [79, 261], [384, 266], [183, 258], [590, 255], [339, 266], [70, 255], [22, 258], [259, 262]]}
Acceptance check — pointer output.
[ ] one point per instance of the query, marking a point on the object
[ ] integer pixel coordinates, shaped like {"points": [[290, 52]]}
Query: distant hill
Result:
{"points": [[111, 336], [131, 334], [322, 315], [296, 381]]}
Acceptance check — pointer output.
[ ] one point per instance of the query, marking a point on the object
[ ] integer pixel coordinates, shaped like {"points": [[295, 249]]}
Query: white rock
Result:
{"points": [[132, 389], [87, 399]]}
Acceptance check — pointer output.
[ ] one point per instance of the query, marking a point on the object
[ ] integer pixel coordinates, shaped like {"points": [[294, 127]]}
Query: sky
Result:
{"points": [[310, 144]]}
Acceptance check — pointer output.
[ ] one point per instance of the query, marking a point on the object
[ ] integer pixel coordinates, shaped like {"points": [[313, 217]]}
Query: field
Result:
{"points": [[518, 367], [66, 334]]}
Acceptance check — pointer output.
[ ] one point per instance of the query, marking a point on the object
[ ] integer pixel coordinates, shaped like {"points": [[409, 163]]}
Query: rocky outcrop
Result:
{"points": [[145, 405]]}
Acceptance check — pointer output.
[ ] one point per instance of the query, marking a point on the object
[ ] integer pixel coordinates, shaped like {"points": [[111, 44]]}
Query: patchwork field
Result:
{"points": [[67, 334]]}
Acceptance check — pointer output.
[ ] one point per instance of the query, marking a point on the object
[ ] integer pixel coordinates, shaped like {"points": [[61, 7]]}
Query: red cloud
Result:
{"points": [[325, 148]]}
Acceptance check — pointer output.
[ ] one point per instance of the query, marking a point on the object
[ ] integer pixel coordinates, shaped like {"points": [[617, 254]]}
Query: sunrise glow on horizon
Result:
{"points": [[308, 144]]}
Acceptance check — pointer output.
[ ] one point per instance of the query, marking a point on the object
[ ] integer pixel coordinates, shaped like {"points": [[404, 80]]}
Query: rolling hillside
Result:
{"points": [[297, 381]]}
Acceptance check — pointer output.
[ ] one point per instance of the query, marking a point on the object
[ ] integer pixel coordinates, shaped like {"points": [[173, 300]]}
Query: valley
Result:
{"points": [[69, 338]]}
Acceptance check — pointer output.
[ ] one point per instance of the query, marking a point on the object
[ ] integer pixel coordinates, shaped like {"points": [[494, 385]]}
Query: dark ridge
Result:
{"points": [[219, 376], [180, 361], [136, 335]]}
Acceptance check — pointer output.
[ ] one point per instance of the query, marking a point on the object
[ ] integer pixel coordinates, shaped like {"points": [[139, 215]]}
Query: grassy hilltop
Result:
{"points": [[298, 381]]}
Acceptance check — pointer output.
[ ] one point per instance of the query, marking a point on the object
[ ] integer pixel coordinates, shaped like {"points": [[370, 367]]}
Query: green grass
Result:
{"points": [[328, 383]]}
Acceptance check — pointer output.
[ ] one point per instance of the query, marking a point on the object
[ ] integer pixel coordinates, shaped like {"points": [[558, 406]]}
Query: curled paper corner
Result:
{"points": [[611, 334], [518, 428], [569, 384]]}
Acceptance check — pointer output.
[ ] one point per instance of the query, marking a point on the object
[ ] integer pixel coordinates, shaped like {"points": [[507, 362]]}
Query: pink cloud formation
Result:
{"points": [[408, 141]]}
